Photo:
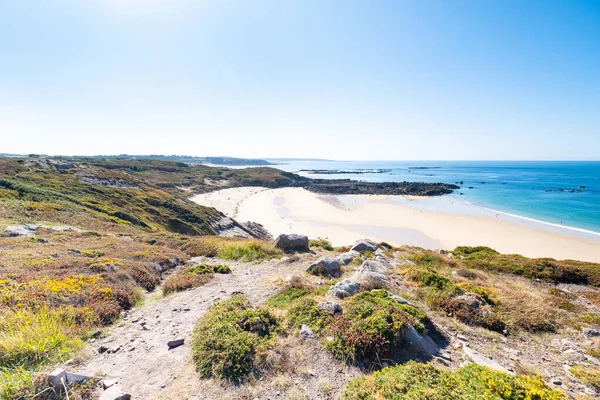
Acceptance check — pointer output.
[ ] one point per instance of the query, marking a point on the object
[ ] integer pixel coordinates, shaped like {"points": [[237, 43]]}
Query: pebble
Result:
{"points": [[556, 381]]}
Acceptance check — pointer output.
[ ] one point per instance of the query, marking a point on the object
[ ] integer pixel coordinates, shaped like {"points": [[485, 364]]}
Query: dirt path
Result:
{"points": [[138, 355]]}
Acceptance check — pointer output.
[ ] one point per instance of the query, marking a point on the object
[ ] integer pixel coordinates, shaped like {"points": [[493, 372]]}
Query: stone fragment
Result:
{"points": [[175, 343]]}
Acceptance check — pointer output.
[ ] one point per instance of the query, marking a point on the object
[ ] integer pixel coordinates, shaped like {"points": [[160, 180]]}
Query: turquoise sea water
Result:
{"points": [[525, 189]]}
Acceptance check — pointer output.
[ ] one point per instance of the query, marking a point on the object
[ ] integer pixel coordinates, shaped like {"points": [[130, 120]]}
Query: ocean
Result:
{"points": [[563, 194]]}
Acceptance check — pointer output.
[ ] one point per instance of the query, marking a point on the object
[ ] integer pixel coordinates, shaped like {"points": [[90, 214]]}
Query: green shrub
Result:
{"points": [[371, 326], [567, 271], [227, 338], [468, 250], [253, 250], [321, 243], [207, 269], [417, 381], [429, 278], [286, 297], [306, 311], [92, 253]]}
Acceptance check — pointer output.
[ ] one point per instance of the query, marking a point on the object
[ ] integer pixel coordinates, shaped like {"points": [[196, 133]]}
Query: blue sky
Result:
{"points": [[341, 79]]}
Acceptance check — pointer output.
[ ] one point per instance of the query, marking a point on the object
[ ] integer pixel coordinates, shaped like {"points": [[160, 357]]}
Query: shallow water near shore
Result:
{"points": [[561, 196]]}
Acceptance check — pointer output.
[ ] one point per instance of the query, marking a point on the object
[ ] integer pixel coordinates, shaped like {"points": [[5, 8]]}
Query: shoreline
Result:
{"points": [[429, 222]]}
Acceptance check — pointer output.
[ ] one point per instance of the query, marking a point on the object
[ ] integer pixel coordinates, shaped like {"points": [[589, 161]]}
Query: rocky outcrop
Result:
{"points": [[364, 245], [348, 186], [20, 230], [306, 332], [326, 266], [371, 275], [345, 288], [108, 182], [347, 258], [31, 229], [228, 227], [291, 242], [420, 343]]}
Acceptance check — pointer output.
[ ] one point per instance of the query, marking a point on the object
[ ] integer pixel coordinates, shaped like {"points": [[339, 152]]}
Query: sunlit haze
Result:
{"points": [[340, 79]]}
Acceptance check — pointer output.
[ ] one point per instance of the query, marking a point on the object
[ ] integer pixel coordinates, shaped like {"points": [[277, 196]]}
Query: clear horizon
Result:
{"points": [[342, 80]]}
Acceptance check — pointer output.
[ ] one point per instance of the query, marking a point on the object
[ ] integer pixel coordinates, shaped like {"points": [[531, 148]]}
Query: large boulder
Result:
{"points": [[326, 266], [345, 288], [371, 275], [364, 245], [291, 242], [420, 343]]}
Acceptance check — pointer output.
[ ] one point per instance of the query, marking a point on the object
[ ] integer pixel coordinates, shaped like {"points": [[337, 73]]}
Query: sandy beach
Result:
{"points": [[434, 223]]}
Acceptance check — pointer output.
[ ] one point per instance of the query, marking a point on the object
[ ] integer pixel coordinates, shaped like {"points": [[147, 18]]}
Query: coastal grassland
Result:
{"points": [[173, 176], [94, 198], [227, 339], [58, 286], [232, 249], [495, 298], [370, 327], [414, 381], [546, 269]]}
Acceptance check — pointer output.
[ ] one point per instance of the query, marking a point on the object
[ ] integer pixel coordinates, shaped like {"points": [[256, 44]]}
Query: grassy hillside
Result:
{"points": [[90, 196], [181, 179]]}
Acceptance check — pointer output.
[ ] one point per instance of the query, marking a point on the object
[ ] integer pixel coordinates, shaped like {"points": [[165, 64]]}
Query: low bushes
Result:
{"points": [[227, 339], [286, 296], [567, 271], [371, 326], [306, 311], [415, 381], [207, 269], [320, 243], [231, 249]]}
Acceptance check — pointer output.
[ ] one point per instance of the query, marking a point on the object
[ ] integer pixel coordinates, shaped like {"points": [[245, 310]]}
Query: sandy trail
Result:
{"points": [[144, 365], [343, 219]]}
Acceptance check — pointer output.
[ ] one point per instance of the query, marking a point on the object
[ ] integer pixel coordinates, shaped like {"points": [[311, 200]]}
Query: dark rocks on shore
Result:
{"points": [[347, 186], [291, 242], [345, 172]]}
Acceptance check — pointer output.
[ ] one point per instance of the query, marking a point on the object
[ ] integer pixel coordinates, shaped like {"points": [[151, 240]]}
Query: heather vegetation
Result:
{"points": [[415, 381], [125, 230], [227, 339]]}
